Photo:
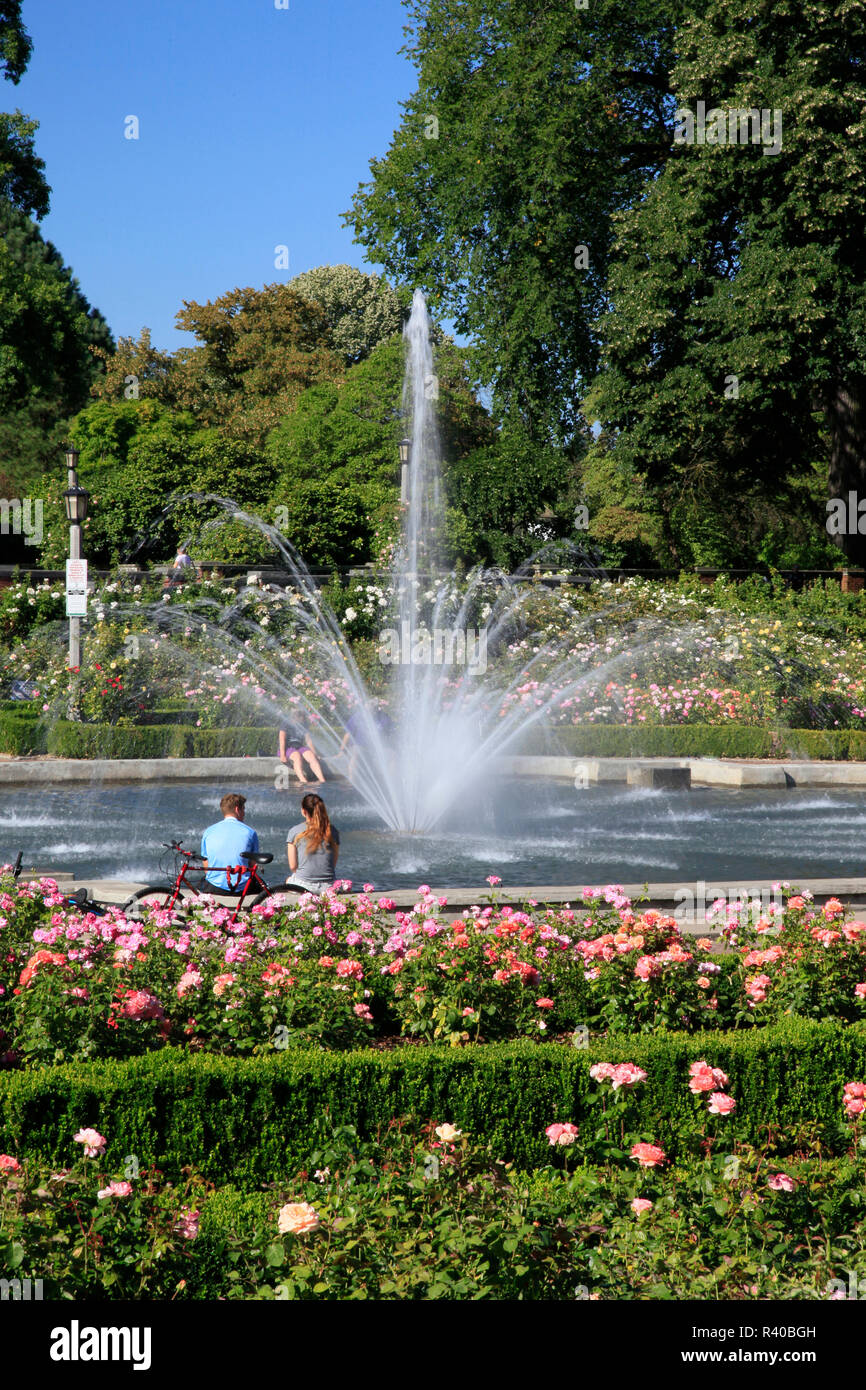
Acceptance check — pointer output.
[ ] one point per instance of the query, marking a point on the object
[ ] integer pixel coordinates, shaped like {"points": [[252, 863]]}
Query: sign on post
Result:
{"points": [[76, 588]]}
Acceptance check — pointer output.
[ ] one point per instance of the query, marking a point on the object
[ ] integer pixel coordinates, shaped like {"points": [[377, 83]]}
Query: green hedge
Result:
{"points": [[253, 1120], [699, 741], [25, 732], [22, 734], [71, 740]]}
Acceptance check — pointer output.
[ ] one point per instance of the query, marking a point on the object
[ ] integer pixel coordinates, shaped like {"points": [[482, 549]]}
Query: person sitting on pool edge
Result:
{"points": [[313, 846], [293, 746], [223, 843]]}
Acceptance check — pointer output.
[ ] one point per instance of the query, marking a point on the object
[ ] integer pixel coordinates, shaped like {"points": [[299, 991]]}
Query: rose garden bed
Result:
{"points": [[598, 1107]]}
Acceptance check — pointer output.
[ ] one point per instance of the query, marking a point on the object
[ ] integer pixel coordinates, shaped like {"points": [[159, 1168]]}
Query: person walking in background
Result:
{"points": [[313, 846], [223, 843], [294, 746]]}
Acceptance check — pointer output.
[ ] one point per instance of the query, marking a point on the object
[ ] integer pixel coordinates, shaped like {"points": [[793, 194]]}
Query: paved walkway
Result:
{"points": [[687, 901]]}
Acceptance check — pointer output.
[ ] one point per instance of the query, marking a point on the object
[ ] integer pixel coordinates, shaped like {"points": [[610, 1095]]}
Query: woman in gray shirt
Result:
{"points": [[313, 846]]}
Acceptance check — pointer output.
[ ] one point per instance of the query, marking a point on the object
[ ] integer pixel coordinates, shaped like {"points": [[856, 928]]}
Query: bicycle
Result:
{"points": [[79, 898], [184, 890]]}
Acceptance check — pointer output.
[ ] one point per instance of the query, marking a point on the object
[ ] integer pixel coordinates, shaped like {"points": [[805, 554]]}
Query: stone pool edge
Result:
{"points": [[647, 772]]}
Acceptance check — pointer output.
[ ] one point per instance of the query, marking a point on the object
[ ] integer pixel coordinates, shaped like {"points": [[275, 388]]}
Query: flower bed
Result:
{"points": [[427, 1212], [340, 973]]}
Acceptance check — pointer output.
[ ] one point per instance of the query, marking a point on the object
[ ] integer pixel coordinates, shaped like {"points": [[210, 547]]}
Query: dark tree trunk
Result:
{"points": [[846, 412]]}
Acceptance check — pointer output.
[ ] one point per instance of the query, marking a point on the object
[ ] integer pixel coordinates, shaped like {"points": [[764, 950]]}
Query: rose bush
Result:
{"points": [[338, 972], [425, 1212]]}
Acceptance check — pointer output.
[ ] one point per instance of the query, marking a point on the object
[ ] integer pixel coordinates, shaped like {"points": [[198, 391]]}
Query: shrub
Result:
{"points": [[247, 1121]]}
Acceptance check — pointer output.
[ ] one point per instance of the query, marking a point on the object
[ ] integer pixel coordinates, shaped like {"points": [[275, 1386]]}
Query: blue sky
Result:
{"points": [[255, 127]]}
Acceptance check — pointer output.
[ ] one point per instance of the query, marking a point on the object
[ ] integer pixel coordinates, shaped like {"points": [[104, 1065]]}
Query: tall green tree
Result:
{"points": [[22, 182], [531, 124], [735, 352], [49, 334], [257, 351], [360, 310]]}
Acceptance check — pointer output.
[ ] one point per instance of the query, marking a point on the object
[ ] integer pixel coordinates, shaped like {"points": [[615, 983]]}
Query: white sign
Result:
{"points": [[76, 588]]}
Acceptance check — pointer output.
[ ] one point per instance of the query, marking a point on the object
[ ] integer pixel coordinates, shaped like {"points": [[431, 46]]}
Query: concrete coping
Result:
{"points": [[581, 772]]}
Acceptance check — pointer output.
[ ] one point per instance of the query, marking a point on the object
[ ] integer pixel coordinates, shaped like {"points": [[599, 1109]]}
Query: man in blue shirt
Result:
{"points": [[223, 843]]}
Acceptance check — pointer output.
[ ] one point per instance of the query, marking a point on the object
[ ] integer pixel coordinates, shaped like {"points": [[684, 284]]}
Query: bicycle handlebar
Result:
{"points": [[179, 849]]}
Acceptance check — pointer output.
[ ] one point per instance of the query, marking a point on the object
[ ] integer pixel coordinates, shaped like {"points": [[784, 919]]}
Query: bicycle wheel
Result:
{"points": [[155, 896]]}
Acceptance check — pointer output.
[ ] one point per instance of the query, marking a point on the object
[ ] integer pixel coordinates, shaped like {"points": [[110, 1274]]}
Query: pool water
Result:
{"points": [[525, 832]]}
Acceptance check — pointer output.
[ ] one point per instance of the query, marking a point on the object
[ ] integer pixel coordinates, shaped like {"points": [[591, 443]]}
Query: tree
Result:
{"points": [[735, 355], [48, 333], [360, 310], [22, 182], [501, 490], [259, 350], [348, 434], [134, 370], [531, 124]]}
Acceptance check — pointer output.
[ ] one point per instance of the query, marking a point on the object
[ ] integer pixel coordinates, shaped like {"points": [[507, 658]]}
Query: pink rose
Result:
{"points": [[640, 1204], [720, 1104], [115, 1189], [94, 1144], [298, 1219], [190, 979], [602, 1071], [187, 1224], [648, 1155], [627, 1074], [544, 1003], [140, 1005], [780, 1182], [860, 991], [561, 1134], [8, 1164]]}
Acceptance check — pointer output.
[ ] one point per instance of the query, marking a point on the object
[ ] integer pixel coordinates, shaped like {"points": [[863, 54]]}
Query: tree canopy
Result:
{"points": [[735, 349], [360, 310], [530, 126]]}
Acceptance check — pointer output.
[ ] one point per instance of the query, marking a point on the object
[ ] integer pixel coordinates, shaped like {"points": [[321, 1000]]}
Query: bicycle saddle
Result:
{"points": [[251, 858], [79, 896]]}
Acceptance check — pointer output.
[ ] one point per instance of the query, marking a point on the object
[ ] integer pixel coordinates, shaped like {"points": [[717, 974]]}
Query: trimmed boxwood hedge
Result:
{"points": [[71, 740], [255, 1120], [23, 733], [699, 741]]}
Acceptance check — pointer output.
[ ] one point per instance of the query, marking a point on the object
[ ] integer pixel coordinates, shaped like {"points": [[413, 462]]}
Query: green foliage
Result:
{"points": [[16, 46], [548, 120], [361, 310], [734, 350], [48, 331], [246, 1121], [501, 490], [426, 1211], [258, 350]]}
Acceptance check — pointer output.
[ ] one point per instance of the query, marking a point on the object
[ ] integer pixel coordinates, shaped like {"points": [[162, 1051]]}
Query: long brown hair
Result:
{"points": [[319, 829]]}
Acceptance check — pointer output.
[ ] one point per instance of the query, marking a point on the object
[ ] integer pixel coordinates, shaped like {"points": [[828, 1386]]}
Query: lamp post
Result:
{"points": [[76, 501], [405, 446]]}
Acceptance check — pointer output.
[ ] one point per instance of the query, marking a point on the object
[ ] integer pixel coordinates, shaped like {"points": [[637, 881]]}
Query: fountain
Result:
{"points": [[469, 670]]}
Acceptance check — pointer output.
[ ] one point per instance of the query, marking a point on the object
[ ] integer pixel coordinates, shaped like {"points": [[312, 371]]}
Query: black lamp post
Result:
{"points": [[76, 500], [405, 446]]}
